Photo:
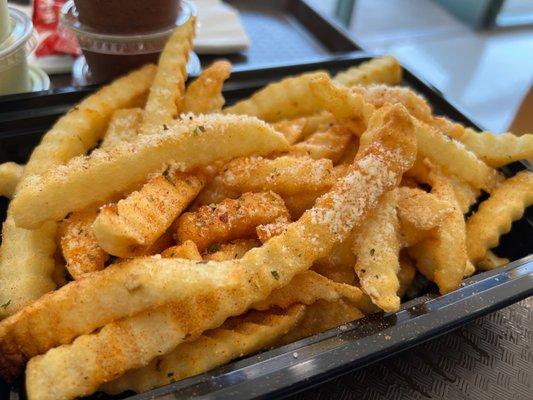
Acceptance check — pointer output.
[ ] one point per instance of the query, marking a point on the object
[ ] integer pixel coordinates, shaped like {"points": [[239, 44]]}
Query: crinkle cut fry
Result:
{"points": [[89, 121], [465, 194], [284, 175], [285, 99], [454, 158], [239, 336], [47, 197], [26, 260], [378, 70], [309, 286], [79, 246], [498, 150], [305, 288], [352, 109], [165, 100], [204, 95], [380, 95], [321, 316], [377, 246], [137, 221], [218, 290], [450, 253], [496, 214], [231, 219], [346, 106]]}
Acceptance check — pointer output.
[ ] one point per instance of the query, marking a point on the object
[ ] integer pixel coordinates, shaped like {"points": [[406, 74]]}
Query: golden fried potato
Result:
{"points": [[324, 144], [321, 316], [446, 251], [186, 250], [378, 70], [182, 145], [230, 251], [498, 150], [285, 175], [89, 119], [124, 228], [237, 337], [455, 159], [165, 100], [465, 195], [123, 127], [377, 247], [496, 214], [309, 287], [10, 175], [204, 95], [353, 109], [380, 95], [230, 219], [347, 106], [285, 99], [209, 294], [27, 257], [79, 246]]}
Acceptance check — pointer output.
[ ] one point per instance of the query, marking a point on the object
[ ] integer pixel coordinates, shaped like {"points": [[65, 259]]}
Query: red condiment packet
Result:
{"points": [[45, 21]]}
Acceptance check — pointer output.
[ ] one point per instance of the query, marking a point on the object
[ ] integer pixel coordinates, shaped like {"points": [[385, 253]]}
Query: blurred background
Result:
{"points": [[478, 53]]}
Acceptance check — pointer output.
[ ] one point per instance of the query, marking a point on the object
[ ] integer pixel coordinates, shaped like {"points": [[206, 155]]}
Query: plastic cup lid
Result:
{"points": [[118, 44], [21, 41]]}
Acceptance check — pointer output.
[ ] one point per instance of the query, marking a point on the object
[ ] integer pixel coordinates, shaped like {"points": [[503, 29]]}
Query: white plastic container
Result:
{"points": [[21, 41]]}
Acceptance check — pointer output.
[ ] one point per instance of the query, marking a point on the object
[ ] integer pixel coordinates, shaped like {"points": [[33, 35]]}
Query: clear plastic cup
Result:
{"points": [[14, 50], [110, 55], [127, 16]]}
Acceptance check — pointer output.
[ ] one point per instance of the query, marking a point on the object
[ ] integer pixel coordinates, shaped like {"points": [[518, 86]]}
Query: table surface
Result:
{"points": [[489, 358]]}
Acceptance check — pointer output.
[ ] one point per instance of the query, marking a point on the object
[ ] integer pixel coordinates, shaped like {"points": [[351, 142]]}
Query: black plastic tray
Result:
{"points": [[286, 370]]}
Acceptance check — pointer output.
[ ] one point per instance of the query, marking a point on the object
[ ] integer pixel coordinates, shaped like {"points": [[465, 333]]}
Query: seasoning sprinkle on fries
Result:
{"points": [[195, 238]]}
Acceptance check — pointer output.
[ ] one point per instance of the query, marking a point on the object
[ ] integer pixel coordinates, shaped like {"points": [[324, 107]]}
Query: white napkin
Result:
{"points": [[220, 30]]}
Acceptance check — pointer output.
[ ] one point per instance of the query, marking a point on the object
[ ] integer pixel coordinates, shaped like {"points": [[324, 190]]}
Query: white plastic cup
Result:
{"points": [[14, 77]]}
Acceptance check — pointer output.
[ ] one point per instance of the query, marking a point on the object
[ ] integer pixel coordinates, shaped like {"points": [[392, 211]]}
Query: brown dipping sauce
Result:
{"points": [[127, 16], [105, 67], [123, 17]]}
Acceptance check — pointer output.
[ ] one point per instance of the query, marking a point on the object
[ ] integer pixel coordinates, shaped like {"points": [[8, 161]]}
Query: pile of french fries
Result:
{"points": [[154, 234]]}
